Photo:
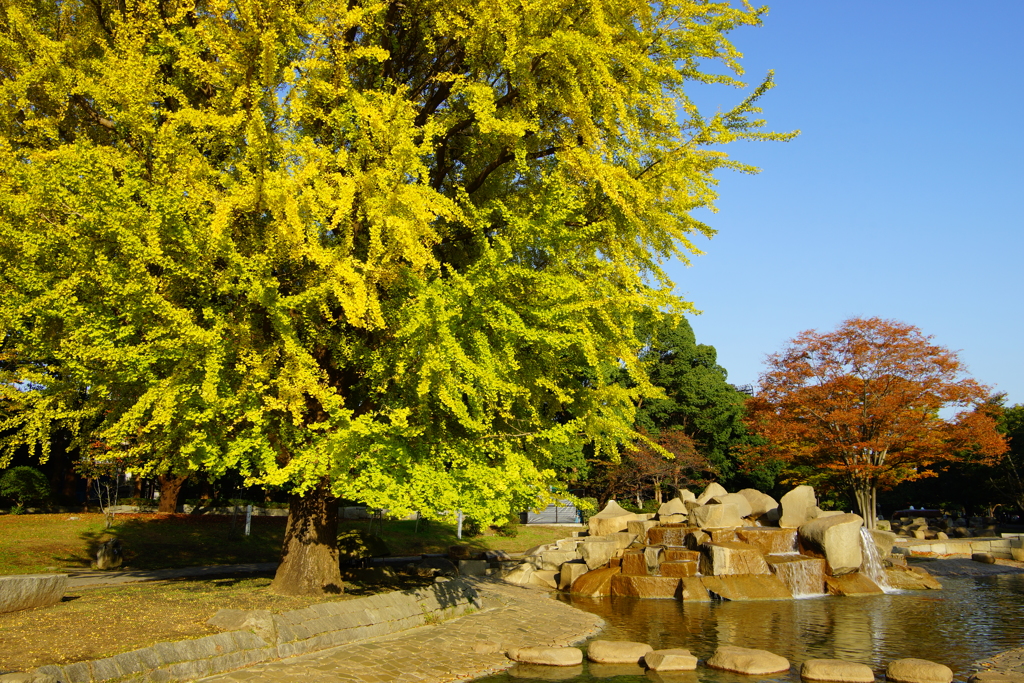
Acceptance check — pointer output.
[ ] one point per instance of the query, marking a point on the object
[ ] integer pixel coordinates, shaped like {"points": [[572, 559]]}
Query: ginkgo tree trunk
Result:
{"points": [[392, 252]]}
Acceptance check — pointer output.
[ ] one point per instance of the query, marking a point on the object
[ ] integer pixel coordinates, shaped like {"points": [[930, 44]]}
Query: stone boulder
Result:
{"points": [[25, 591], [797, 507], [596, 583], [679, 569], [649, 587], [884, 541], [761, 505], [836, 670], [519, 575], [545, 578], [548, 656], [670, 660], [713, 489], [109, 555], [634, 563], [743, 508], [723, 515], [673, 506], [769, 540], [597, 553], [851, 584], [984, 558], [918, 671], [639, 529], [747, 661], [911, 578], [569, 572], [685, 495], [743, 588], [674, 535], [551, 559], [610, 520], [732, 557], [837, 539], [617, 651]]}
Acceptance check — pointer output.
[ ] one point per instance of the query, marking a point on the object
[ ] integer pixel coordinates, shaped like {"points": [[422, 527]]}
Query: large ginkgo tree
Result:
{"points": [[386, 251]]}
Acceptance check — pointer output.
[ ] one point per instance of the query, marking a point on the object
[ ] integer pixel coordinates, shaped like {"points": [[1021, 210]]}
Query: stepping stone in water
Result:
{"points": [[836, 670]]}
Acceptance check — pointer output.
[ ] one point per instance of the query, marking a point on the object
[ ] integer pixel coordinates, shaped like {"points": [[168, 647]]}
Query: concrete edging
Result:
{"points": [[276, 636]]}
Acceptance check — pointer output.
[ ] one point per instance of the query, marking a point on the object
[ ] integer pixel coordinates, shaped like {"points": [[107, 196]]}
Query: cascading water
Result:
{"points": [[804, 576], [872, 566]]}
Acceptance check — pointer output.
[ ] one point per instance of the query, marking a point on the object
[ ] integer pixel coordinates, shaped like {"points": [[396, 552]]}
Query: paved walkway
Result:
{"points": [[92, 578], [459, 649]]}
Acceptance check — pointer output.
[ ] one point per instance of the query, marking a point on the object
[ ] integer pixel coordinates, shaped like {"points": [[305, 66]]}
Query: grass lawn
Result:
{"points": [[101, 622], [32, 544]]}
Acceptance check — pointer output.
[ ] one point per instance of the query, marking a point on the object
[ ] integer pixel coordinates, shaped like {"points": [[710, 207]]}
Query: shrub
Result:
{"points": [[24, 485]]}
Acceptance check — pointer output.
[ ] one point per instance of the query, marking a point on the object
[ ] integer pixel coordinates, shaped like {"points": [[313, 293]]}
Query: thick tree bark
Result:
{"points": [[170, 487], [309, 560]]}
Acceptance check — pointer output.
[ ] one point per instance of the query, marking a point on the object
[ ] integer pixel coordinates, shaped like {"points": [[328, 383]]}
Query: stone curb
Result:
{"points": [[318, 627]]}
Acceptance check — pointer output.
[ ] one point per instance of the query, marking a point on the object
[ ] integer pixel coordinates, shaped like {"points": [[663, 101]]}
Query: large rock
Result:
{"points": [[747, 587], [639, 528], [617, 651], [653, 587], [109, 555], [836, 670], [621, 539], [672, 506], [569, 572], [884, 541], [742, 504], [722, 515], [851, 584], [597, 553], [552, 559], [545, 578], [798, 507], [674, 535], [694, 590], [918, 671], [634, 563], [26, 591], [732, 557], [713, 489], [548, 656], [761, 504], [519, 575], [747, 661], [686, 494], [681, 555], [911, 578], [837, 539], [595, 584], [610, 520], [769, 540], [670, 660], [679, 569]]}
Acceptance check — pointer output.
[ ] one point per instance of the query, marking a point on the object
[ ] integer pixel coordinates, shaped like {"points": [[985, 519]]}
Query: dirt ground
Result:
{"points": [[99, 622]]}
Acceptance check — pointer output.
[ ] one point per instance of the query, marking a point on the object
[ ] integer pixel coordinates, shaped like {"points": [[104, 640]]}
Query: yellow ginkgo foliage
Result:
{"points": [[387, 251]]}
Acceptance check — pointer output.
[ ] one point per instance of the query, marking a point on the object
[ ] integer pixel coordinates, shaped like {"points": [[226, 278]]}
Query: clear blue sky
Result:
{"points": [[902, 198]]}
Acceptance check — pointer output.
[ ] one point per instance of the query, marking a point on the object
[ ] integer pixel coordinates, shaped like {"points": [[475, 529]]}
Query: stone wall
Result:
{"points": [[963, 547], [275, 636]]}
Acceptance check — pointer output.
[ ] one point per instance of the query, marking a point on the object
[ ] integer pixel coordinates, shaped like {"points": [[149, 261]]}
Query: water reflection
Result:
{"points": [[972, 618]]}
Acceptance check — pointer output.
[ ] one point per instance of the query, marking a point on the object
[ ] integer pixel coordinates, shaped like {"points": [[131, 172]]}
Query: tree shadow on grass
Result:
{"points": [[179, 540]]}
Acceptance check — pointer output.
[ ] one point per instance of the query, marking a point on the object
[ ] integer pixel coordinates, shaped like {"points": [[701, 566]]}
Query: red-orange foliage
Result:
{"points": [[862, 404]]}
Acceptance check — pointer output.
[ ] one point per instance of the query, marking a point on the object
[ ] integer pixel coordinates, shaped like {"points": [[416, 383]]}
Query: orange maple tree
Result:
{"points": [[861, 405]]}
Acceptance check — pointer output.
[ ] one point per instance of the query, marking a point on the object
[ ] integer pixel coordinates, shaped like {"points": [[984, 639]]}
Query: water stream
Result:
{"points": [[872, 565], [970, 619]]}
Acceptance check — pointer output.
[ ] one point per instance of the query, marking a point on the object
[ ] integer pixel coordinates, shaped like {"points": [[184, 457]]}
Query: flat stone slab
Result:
{"points": [[26, 591], [748, 661], [747, 587], [651, 587], [912, 670], [547, 656], [836, 670], [617, 651], [670, 660]]}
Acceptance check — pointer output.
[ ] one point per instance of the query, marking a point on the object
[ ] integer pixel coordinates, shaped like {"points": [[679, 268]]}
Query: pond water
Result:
{"points": [[970, 619]]}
